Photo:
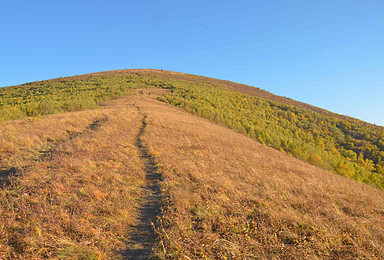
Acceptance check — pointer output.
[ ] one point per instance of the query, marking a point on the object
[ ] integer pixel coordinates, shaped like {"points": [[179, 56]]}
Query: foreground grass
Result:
{"points": [[78, 187], [229, 197]]}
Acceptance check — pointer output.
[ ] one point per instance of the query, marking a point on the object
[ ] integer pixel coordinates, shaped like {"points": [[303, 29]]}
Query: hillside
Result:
{"points": [[344, 145], [89, 184], [231, 197]]}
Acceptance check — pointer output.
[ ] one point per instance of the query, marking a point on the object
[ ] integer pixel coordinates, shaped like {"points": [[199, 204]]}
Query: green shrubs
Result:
{"points": [[10, 113], [350, 148], [344, 145], [64, 94]]}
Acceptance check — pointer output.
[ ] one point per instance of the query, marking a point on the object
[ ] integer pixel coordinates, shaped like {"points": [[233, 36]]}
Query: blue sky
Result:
{"points": [[326, 53]]}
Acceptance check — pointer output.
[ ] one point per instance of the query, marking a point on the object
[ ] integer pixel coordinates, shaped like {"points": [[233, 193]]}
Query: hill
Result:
{"points": [[88, 184], [344, 145]]}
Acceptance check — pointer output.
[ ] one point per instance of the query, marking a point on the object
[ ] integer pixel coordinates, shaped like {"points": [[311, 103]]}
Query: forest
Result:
{"points": [[353, 150], [341, 144]]}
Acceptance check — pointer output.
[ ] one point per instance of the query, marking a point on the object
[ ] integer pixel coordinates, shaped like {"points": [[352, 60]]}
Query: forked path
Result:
{"points": [[142, 235], [46, 154]]}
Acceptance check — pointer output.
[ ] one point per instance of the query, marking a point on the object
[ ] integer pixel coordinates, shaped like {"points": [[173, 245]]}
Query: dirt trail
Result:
{"points": [[7, 173], [142, 235], [46, 154]]}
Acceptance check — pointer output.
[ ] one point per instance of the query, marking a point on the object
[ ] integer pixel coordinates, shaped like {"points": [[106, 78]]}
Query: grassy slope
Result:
{"points": [[78, 187], [231, 197], [344, 145], [226, 195]]}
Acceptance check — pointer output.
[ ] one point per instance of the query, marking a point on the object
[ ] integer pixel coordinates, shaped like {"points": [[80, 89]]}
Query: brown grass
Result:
{"points": [[79, 200], [28, 138], [80, 187], [231, 197]]}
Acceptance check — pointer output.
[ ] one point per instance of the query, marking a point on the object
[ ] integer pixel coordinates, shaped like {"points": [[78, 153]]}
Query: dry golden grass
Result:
{"points": [[78, 200], [80, 187], [231, 197], [29, 138]]}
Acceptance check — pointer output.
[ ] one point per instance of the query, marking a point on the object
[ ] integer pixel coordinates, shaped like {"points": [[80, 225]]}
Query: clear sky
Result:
{"points": [[328, 53]]}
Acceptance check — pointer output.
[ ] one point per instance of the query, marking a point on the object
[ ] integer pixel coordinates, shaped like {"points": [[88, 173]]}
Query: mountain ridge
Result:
{"points": [[235, 86], [342, 144]]}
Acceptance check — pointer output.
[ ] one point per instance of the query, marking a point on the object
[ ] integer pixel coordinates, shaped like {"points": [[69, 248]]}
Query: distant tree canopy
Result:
{"points": [[351, 149], [344, 145], [62, 95]]}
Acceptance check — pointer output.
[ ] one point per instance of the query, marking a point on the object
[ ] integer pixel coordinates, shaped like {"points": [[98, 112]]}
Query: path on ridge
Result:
{"points": [[142, 235]]}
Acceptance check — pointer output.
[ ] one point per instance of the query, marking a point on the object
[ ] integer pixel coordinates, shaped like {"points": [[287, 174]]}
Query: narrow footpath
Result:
{"points": [[142, 235], [44, 155]]}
